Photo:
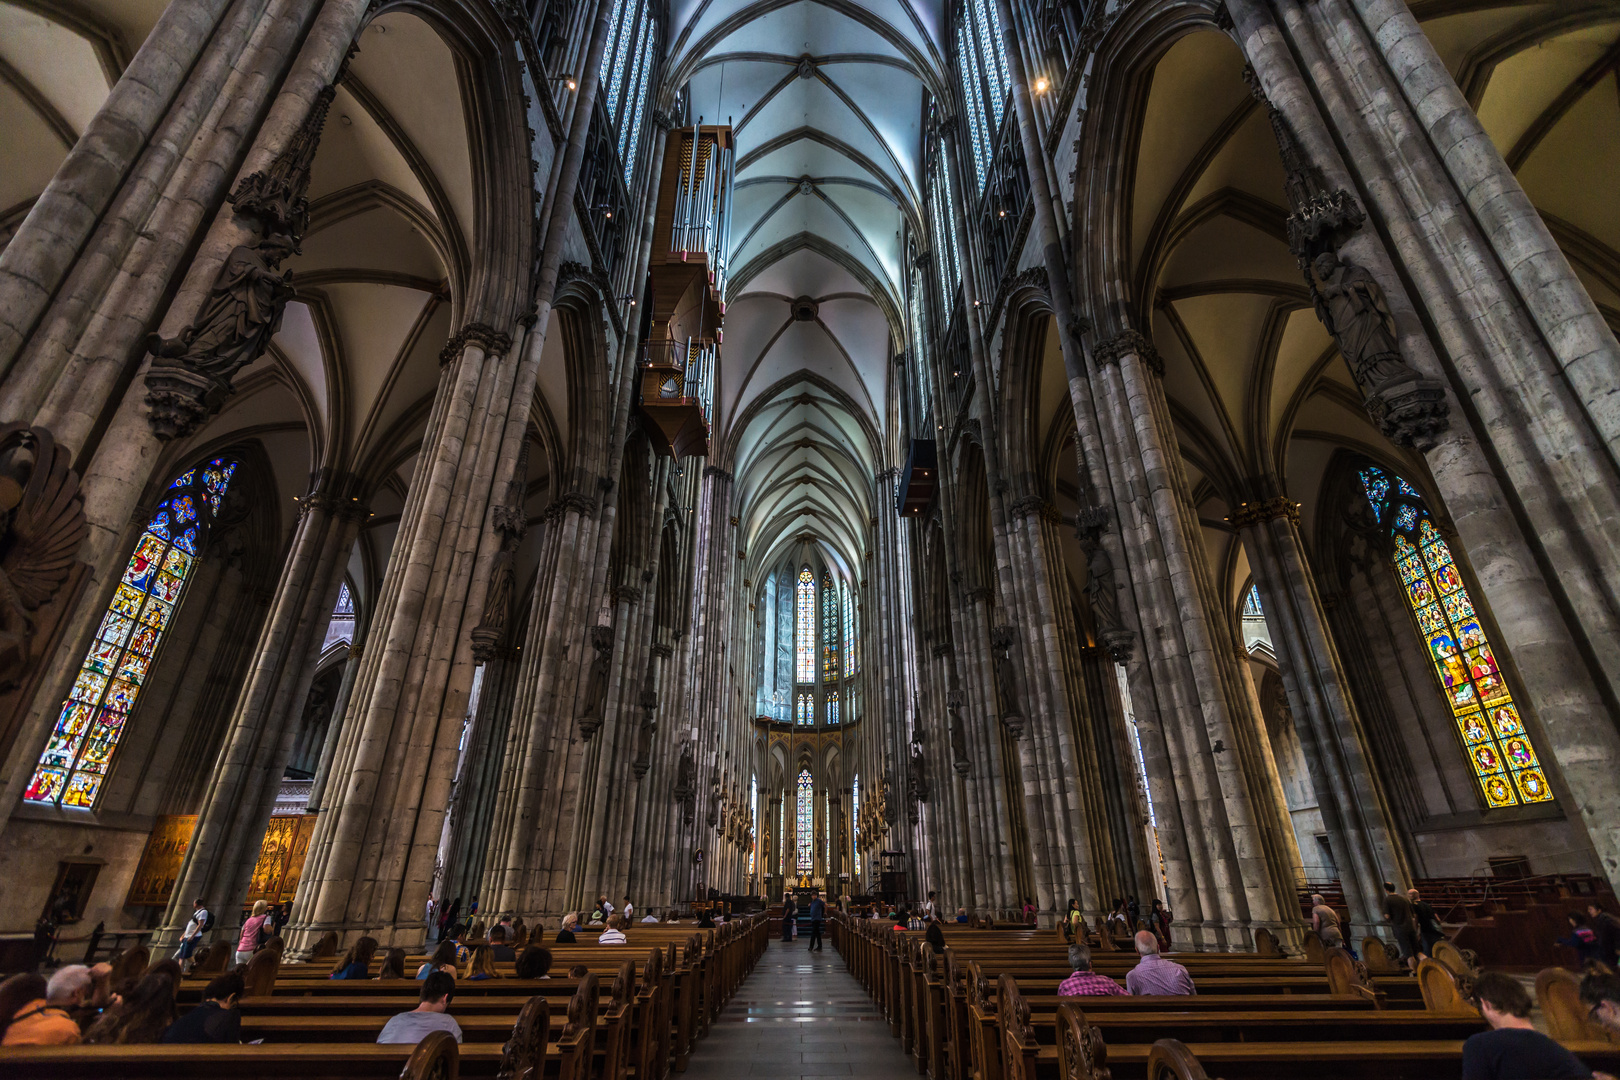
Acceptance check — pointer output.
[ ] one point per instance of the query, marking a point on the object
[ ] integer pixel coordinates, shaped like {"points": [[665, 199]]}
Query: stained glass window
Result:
{"points": [[981, 64], [80, 751], [341, 628], [852, 654], [806, 824], [855, 820], [1488, 720], [829, 629], [753, 816], [626, 74], [832, 707], [805, 627], [806, 714]]}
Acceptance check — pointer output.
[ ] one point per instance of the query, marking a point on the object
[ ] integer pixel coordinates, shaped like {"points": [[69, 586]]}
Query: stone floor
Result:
{"points": [[799, 1014]]}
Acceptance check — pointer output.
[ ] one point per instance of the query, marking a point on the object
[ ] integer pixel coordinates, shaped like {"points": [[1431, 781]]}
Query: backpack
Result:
{"points": [[208, 922]]}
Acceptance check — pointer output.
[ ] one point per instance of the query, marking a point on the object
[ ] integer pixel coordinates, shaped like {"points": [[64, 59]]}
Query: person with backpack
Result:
{"points": [[254, 933], [202, 921]]}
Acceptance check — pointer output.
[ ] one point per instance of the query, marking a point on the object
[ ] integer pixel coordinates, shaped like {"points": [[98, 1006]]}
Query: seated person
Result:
{"points": [[578, 971], [433, 1014], [483, 964], [961, 915], [614, 934], [444, 956], [503, 953], [1513, 1049], [46, 1019], [935, 936], [217, 1019], [650, 917], [393, 965], [1085, 982], [1153, 974], [570, 923], [356, 963], [1601, 995], [534, 963]]}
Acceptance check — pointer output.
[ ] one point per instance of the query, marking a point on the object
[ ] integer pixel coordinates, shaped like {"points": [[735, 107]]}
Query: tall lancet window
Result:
{"points": [[80, 751], [804, 637], [806, 824], [829, 630], [832, 707], [855, 820], [982, 66], [852, 652], [1488, 721], [753, 817], [626, 74], [805, 713]]}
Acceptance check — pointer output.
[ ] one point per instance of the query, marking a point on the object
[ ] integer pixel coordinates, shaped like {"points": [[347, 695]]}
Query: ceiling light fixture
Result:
{"points": [[1041, 84]]}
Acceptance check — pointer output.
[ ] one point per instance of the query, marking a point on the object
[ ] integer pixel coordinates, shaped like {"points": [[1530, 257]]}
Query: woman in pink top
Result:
{"points": [[249, 940]]}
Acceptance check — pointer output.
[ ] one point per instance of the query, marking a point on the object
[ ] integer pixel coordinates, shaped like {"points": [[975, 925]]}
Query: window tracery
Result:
{"points": [[1488, 722], [805, 841], [79, 754], [804, 644]]}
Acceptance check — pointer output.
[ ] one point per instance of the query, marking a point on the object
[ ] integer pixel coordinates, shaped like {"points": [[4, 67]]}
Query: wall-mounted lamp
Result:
{"points": [[566, 80], [1041, 85]]}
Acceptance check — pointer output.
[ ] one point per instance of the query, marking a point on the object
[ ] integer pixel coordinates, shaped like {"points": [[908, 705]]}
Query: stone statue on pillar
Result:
{"points": [[685, 789], [1407, 406], [954, 700], [191, 373], [596, 680], [647, 729], [1007, 707]]}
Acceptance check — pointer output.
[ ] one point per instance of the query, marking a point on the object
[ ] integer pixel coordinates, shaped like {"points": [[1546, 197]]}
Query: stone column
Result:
{"points": [[244, 781], [1516, 372], [1236, 832], [1352, 803]]}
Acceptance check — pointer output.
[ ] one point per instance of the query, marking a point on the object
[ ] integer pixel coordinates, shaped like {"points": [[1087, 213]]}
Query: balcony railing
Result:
{"points": [[702, 220], [695, 360]]}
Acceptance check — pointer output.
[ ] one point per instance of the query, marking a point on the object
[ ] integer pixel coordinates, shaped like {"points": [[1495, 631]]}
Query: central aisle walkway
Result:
{"points": [[799, 1014]]}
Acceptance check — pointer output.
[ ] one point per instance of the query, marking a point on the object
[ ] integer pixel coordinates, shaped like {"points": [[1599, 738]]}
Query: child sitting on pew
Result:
{"points": [[433, 1014], [356, 963]]}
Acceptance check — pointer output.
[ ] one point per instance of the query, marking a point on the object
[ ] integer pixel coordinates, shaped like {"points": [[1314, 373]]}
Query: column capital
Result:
{"points": [[486, 337], [1252, 513], [1127, 342]]}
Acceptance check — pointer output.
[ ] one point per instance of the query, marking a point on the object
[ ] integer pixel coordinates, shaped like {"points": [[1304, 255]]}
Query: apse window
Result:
{"points": [[1488, 722], [805, 822], [804, 643], [79, 754]]}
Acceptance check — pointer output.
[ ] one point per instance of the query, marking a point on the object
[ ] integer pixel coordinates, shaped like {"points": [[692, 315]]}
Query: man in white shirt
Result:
{"points": [[433, 1014], [928, 907], [603, 906], [192, 937], [629, 910]]}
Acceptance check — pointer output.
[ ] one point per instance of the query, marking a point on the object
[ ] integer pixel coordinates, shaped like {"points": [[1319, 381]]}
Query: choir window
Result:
{"points": [[829, 630], [804, 645], [80, 751], [832, 707], [855, 821], [806, 709], [753, 817], [805, 842], [1488, 720], [852, 653]]}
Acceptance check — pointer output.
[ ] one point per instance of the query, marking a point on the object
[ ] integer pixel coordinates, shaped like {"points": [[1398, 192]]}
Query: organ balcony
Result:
{"points": [[686, 287], [677, 395]]}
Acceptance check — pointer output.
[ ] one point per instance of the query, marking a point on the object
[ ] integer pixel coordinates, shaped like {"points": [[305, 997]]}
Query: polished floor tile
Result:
{"points": [[799, 1014]]}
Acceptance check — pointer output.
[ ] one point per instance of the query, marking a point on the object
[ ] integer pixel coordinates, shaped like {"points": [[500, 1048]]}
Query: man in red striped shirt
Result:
{"points": [[1085, 982]]}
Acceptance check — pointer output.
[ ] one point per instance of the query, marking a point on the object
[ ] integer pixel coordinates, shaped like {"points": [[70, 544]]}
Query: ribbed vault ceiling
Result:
{"points": [[825, 99]]}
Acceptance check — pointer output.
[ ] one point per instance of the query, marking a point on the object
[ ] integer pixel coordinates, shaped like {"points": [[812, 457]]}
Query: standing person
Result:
{"points": [[818, 912], [1153, 974], [1581, 939], [427, 915], [790, 916], [1134, 910], [928, 911], [217, 1019], [448, 919], [1428, 923], [1513, 1049], [629, 912], [252, 933], [195, 928], [433, 1014], [1031, 913], [603, 906], [1161, 922], [1398, 913], [1075, 921], [1607, 929], [1322, 916]]}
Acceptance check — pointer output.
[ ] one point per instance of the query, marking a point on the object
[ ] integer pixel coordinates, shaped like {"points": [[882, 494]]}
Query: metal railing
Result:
{"points": [[702, 219], [696, 360]]}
